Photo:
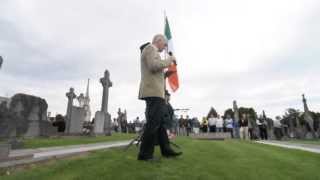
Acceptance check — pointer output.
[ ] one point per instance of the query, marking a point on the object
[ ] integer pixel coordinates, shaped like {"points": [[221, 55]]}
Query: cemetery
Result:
{"points": [[94, 91]]}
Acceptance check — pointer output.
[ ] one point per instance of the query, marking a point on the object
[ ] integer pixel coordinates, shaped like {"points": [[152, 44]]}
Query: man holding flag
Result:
{"points": [[152, 91]]}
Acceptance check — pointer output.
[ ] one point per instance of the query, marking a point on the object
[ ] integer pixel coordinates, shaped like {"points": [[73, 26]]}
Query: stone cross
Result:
{"points": [[306, 109], [106, 84], [307, 115], [70, 95]]}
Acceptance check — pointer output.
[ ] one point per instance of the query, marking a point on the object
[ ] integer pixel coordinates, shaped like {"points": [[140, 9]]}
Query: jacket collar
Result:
{"points": [[155, 47]]}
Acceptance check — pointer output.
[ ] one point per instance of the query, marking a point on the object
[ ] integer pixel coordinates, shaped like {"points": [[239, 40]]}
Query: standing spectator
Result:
{"points": [[196, 125], [250, 128], [243, 124], [188, 125], [212, 123], [204, 124], [181, 126], [262, 124], [229, 125], [219, 124]]}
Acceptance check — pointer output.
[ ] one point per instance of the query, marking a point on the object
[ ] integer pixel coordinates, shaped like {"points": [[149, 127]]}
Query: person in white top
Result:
{"points": [[219, 124], [212, 123]]}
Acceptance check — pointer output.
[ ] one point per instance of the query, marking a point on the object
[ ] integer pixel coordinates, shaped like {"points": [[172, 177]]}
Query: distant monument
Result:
{"points": [[102, 123], [71, 96], [84, 102], [236, 119], [122, 121], [77, 115], [308, 118]]}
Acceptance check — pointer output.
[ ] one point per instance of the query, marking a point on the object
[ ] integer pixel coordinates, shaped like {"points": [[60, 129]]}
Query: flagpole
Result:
{"points": [[166, 49]]}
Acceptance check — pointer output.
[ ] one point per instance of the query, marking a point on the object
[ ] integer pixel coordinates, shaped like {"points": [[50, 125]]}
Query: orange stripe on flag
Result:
{"points": [[173, 79]]}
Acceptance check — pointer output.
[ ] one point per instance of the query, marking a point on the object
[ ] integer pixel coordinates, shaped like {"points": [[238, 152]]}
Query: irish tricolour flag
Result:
{"points": [[173, 79]]}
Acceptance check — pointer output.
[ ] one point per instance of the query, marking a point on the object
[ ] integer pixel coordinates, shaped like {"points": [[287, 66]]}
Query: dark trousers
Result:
{"points": [[212, 128], [189, 130], [263, 132], [154, 132], [231, 131], [205, 128], [251, 133]]}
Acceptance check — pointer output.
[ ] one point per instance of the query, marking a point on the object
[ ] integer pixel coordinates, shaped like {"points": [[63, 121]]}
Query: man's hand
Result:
{"points": [[173, 59], [169, 73]]}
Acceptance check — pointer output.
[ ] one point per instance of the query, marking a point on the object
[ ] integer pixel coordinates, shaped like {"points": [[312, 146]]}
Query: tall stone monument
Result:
{"points": [[102, 124], [71, 96], [236, 119], [308, 118], [84, 102]]}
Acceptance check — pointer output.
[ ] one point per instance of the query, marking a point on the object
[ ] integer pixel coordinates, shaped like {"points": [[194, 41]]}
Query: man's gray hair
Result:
{"points": [[158, 37]]}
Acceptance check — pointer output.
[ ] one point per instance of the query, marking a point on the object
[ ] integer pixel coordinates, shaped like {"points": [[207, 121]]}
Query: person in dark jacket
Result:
{"points": [[243, 124]]}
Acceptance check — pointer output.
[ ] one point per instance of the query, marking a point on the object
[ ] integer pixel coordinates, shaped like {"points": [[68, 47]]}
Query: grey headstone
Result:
{"points": [[99, 121], [77, 119]]}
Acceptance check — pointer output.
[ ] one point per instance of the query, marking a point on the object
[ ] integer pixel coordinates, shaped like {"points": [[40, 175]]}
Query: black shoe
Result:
{"points": [[172, 154]]}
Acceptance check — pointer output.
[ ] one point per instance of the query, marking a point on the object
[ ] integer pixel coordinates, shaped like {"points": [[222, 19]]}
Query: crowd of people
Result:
{"points": [[245, 128]]}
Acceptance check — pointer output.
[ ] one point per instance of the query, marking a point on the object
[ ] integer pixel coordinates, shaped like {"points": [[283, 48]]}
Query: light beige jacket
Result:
{"points": [[152, 82]]}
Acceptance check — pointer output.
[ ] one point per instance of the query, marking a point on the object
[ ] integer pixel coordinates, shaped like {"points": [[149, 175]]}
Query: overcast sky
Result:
{"points": [[264, 54]]}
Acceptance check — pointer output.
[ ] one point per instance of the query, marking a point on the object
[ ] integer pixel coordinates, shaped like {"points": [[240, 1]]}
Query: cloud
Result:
{"points": [[263, 54]]}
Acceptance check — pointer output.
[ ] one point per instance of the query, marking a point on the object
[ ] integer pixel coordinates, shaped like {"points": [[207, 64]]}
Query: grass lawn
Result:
{"points": [[73, 140], [202, 160]]}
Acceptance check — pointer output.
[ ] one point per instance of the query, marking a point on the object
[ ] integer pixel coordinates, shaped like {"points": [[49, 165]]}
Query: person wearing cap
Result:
{"points": [[152, 91]]}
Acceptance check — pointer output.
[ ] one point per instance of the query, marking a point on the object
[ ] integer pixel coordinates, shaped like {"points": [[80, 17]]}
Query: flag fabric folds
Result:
{"points": [[173, 79]]}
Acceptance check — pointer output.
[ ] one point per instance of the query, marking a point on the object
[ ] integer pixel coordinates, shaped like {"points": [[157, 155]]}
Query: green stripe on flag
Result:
{"points": [[167, 31]]}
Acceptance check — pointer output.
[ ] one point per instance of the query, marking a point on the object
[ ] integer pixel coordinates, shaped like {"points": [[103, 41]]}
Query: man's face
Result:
{"points": [[161, 45]]}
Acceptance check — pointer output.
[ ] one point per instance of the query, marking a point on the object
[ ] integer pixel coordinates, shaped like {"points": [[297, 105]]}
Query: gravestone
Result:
{"points": [[7, 124], [27, 117], [71, 96], [102, 124], [77, 120]]}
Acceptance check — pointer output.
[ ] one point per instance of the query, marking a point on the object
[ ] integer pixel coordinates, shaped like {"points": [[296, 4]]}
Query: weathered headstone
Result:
{"points": [[102, 118], [77, 119], [26, 117]]}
